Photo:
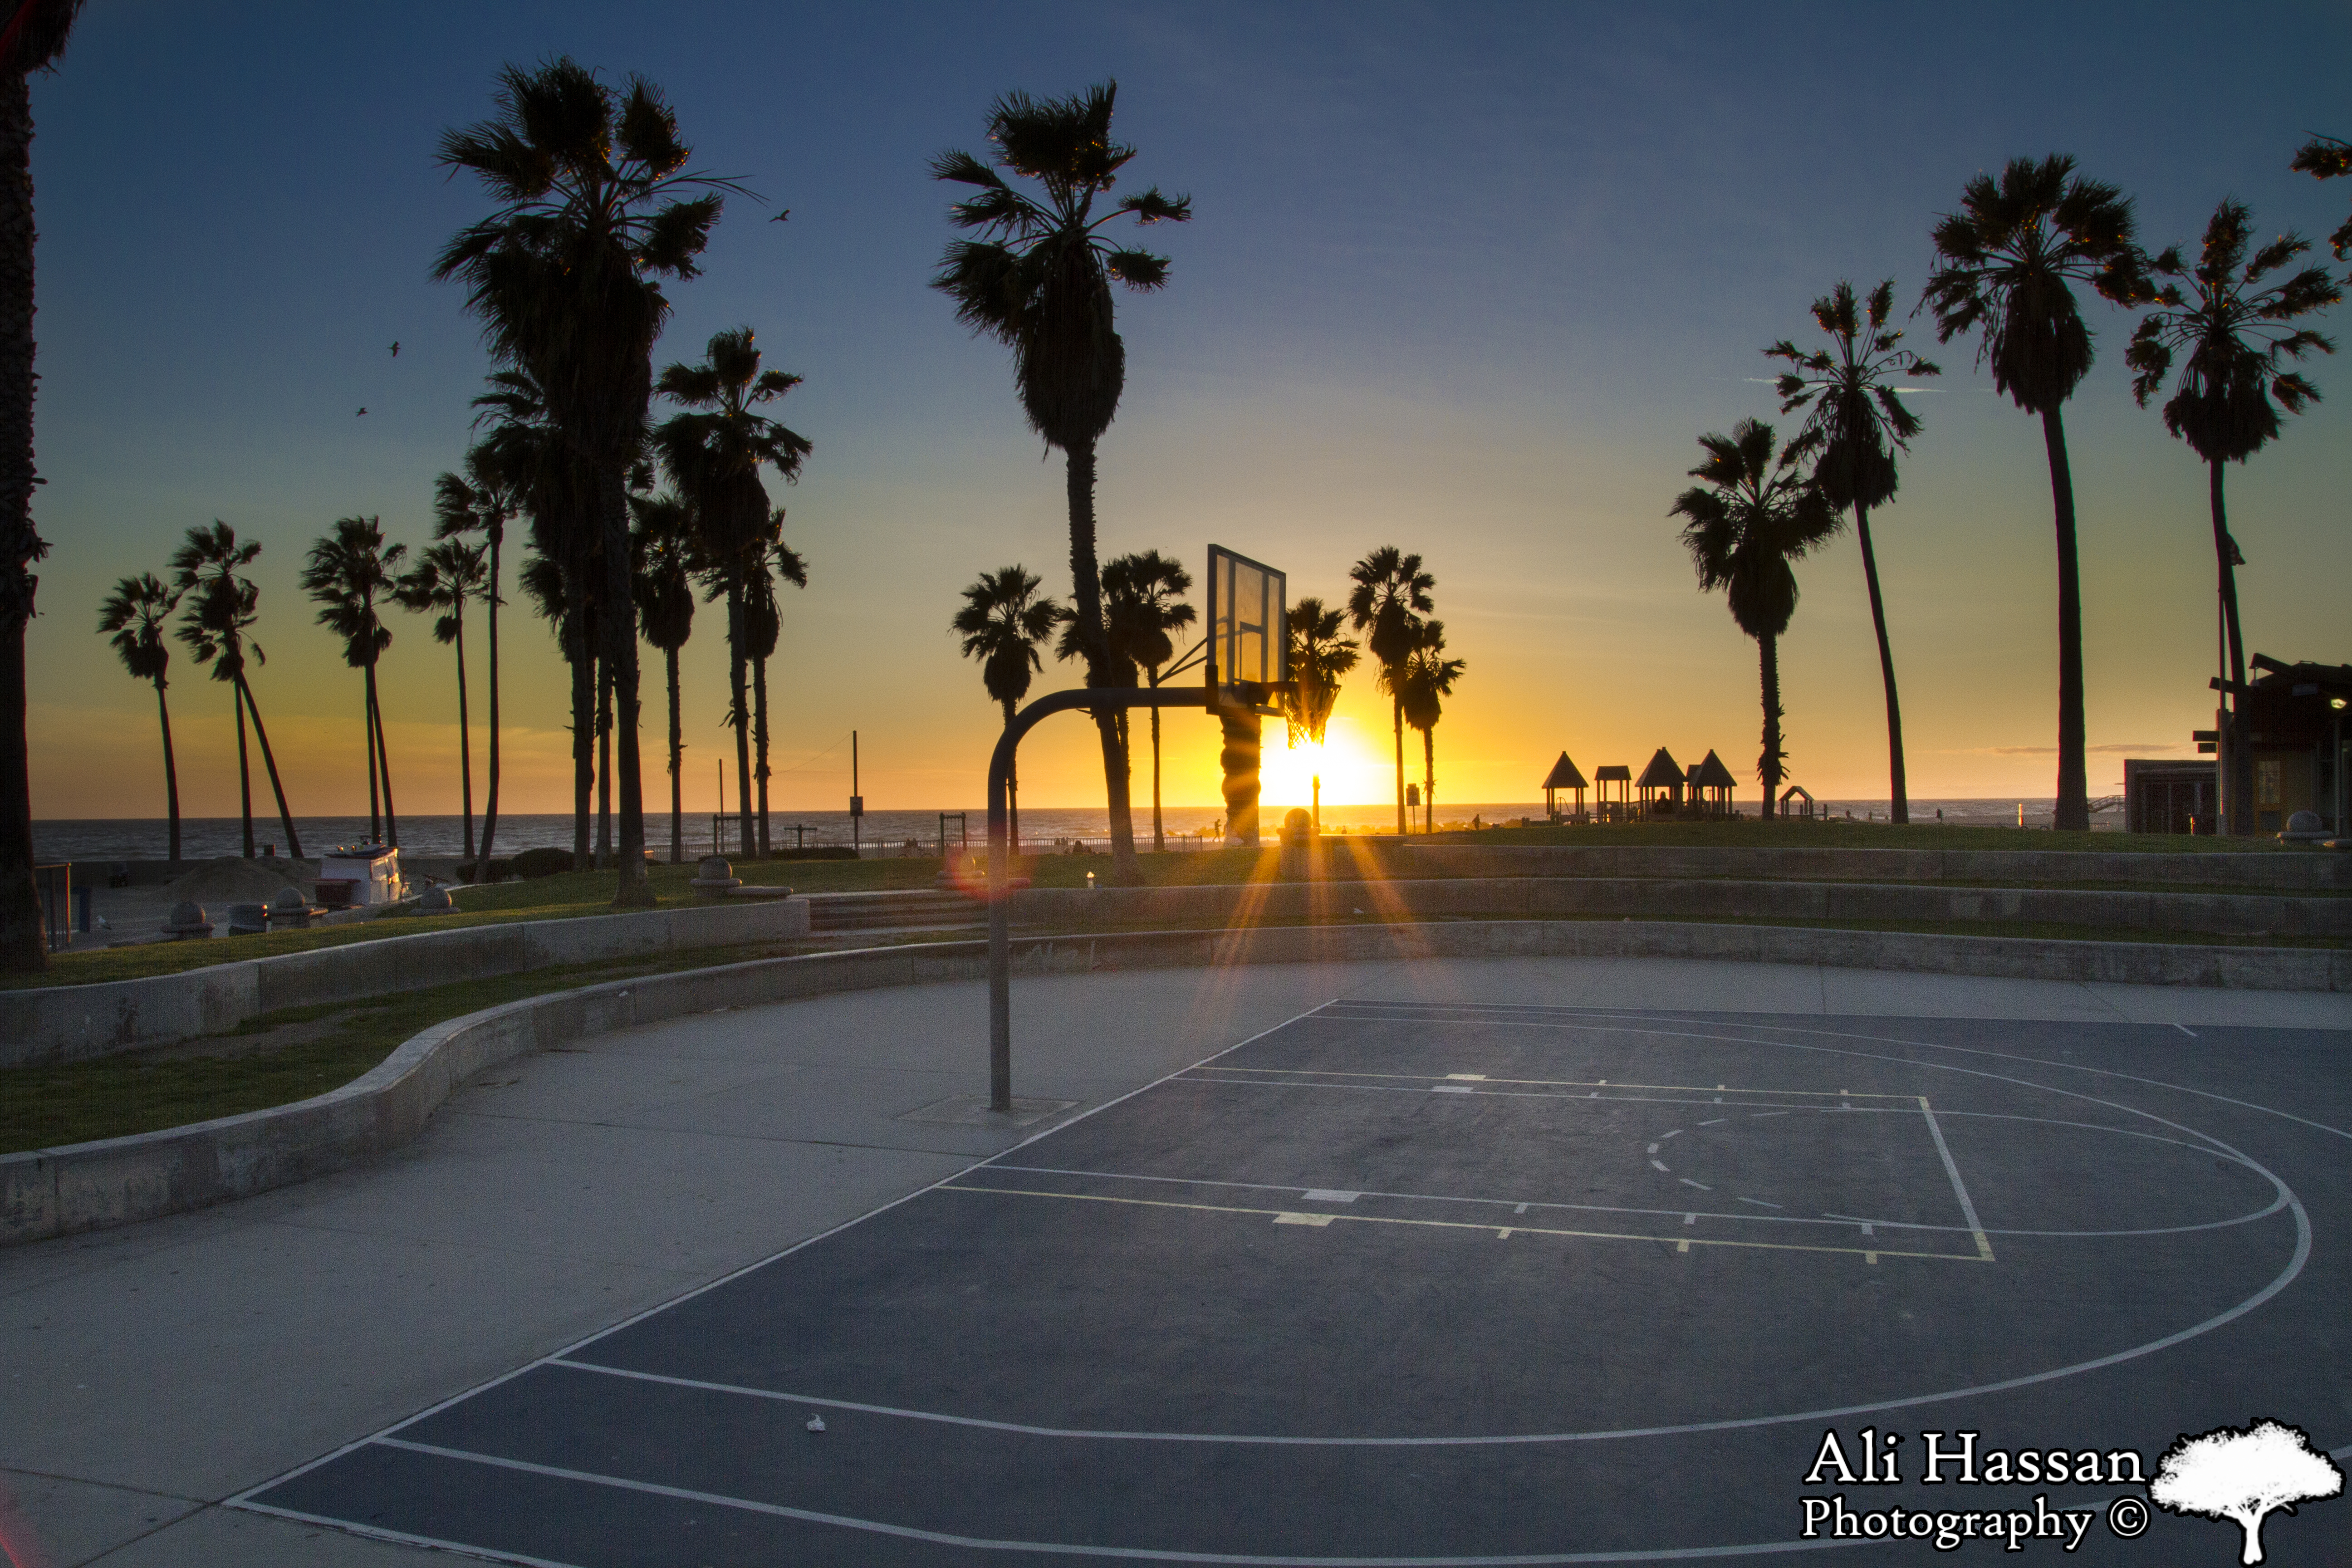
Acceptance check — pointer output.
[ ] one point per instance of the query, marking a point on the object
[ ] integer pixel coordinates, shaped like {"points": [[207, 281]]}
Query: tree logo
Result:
{"points": [[2240, 1474]]}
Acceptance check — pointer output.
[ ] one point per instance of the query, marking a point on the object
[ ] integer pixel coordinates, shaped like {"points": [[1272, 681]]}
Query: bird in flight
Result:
{"points": [[782, 216], [395, 348], [362, 411]]}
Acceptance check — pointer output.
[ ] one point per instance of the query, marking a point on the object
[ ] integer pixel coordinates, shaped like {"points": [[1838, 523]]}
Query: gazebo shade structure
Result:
{"points": [[1661, 786], [1711, 784], [1613, 805], [1563, 775]]}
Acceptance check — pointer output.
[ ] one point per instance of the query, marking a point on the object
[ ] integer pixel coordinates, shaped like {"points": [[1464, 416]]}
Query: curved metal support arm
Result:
{"points": [[999, 861]]}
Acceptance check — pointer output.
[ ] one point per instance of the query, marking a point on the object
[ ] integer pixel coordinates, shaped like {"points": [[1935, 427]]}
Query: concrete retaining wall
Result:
{"points": [[76, 1022], [85, 1186], [2279, 869], [1653, 897]]}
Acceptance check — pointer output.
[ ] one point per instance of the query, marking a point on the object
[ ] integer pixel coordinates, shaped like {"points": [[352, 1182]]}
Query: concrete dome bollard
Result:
{"points": [[187, 921], [715, 877], [1298, 846]]}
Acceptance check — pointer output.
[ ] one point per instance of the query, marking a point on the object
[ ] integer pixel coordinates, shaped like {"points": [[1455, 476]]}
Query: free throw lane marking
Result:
{"points": [[1287, 1216], [1959, 1189]]}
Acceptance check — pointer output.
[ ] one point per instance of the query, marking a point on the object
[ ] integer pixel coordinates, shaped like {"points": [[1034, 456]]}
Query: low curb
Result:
{"points": [[119, 1181], [79, 1023]]}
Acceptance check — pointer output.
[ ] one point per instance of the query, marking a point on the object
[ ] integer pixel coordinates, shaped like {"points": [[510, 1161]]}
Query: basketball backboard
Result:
{"points": [[1248, 640]]}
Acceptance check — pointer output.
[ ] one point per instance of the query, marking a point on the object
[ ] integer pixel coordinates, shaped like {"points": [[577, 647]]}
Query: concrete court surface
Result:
{"points": [[157, 1369]]}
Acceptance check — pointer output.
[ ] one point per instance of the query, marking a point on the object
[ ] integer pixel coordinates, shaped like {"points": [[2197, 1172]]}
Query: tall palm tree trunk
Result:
{"points": [[2074, 792], [464, 743], [1158, 833], [367, 739], [1397, 717], [603, 764], [676, 760], [739, 713], [171, 770], [21, 947], [243, 768], [1429, 779], [583, 730], [490, 806], [1767, 766], [270, 762], [1126, 871], [383, 763], [760, 743], [621, 651], [1013, 792], [1896, 781], [2241, 762]]}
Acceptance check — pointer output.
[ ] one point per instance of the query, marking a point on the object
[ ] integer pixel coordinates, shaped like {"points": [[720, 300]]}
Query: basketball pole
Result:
{"points": [[1000, 862]]}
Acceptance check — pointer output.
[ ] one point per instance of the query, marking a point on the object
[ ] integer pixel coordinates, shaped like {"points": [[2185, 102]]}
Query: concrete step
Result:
{"points": [[885, 912]]}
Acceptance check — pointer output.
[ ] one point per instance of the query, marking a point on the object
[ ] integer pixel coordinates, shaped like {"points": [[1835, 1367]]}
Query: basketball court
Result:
{"points": [[1412, 1279]]}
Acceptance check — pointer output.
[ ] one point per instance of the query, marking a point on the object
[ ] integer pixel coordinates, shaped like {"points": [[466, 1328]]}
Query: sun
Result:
{"points": [[1353, 772]]}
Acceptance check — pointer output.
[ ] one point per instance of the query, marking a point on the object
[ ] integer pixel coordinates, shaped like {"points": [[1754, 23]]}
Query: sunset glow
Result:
{"points": [[1436, 320]]}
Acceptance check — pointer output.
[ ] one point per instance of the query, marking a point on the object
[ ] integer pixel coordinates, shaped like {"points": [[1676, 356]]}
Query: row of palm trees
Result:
{"points": [[2008, 264], [352, 572], [1005, 619]]}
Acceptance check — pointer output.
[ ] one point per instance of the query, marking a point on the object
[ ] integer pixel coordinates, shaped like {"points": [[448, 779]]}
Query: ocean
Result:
{"points": [[1188, 826]]}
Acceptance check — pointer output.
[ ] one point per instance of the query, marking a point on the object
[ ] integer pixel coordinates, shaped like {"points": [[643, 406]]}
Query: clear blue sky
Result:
{"points": [[1466, 279]]}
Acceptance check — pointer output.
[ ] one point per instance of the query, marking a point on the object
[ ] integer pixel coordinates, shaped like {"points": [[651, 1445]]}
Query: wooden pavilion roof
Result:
{"points": [[1614, 773], [1563, 775], [1664, 772], [1712, 774]]}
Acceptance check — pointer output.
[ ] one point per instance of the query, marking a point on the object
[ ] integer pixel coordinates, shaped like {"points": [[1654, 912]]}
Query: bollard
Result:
{"points": [[1298, 846]]}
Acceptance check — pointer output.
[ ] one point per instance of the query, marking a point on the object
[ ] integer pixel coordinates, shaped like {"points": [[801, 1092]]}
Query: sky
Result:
{"points": [[1467, 279]]}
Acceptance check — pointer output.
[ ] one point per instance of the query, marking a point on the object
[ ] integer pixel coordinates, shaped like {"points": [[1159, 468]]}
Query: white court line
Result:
{"points": [[244, 1499], [984, 1543], [2278, 1200], [1959, 1189]]}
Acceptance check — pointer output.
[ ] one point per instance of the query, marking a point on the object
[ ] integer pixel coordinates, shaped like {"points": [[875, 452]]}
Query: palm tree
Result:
{"points": [[2328, 158], [1002, 621], [1319, 656], [1038, 281], [1390, 595], [1429, 678], [1857, 424], [1753, 515], [481, 500], [593, 211], [218, 605], [136, 614], [548, 481], [665, 543], [348, 570], [447, 576], [2006, 261], [713, 452], [2230, 329], [763, 624], [1140, 607], [35, 36]]}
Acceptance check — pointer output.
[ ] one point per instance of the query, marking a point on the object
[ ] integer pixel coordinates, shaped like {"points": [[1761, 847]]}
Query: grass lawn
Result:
{"points": [[582, 893], [246, 1070]]}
